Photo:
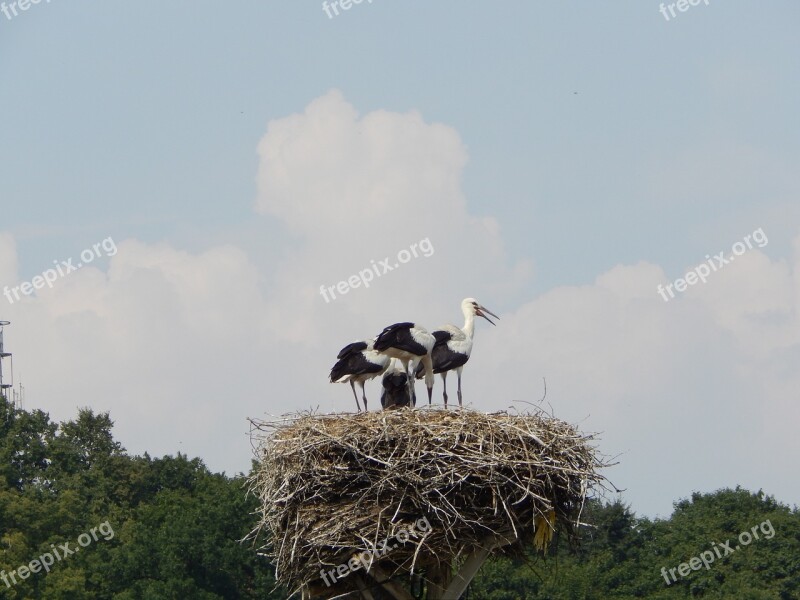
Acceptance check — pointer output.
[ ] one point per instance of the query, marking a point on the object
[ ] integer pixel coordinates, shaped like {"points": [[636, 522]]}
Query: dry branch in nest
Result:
{"points": [[333, 487]]}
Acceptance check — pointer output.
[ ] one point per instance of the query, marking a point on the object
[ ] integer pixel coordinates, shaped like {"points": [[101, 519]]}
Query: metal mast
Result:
{"points": [[3, 356]]}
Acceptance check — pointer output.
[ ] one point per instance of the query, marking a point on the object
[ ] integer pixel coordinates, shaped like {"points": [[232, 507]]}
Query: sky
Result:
{"points": [[213, 168]]}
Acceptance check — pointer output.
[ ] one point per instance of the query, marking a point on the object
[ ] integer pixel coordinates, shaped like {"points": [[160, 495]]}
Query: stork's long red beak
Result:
{"points": [[480, 312]]}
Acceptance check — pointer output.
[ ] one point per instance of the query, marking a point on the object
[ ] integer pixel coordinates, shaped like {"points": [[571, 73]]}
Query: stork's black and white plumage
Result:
{"points": [[396, 389], [358, 362], [454, 345], [410, 344]]}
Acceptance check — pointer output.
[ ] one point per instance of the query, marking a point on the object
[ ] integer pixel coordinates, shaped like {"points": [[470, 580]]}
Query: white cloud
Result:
{"points": [[161, 340], [697, 393], [358, 189], [181, 347]]}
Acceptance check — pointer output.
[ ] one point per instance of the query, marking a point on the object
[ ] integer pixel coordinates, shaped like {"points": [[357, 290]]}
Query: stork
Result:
{"points": [[395, 392], [454, 345], [358, 363], [409, 343]]}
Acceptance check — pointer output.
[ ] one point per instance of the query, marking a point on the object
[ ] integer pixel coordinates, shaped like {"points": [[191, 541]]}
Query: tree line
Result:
{"points": [[80, 518]]}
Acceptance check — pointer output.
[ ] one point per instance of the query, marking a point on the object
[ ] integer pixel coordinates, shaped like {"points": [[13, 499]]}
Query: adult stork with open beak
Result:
{"points": [[454, 345]]}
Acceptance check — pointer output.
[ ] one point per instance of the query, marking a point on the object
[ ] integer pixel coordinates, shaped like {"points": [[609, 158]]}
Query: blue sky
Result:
{"points": [[550, 151]]}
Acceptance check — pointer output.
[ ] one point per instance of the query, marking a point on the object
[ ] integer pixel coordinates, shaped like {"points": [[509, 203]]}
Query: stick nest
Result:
{"points": [[334, 486]]}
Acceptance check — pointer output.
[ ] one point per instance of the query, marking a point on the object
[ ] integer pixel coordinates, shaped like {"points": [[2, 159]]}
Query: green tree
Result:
{"points": [[174, 526]]}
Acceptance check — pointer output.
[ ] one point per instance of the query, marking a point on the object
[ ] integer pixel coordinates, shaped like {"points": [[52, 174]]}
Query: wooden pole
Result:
{"points": [[381, 577], [448, 586], [438, 581], [362, 586], [442, 582], [461, 580]]}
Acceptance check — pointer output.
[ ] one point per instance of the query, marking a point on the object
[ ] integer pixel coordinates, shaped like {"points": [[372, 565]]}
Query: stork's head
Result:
{"points": [[470, 306]]}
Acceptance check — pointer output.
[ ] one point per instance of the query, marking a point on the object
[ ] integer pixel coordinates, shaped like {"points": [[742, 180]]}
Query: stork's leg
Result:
{"points": [[353, 387], [428, 364], [363, 395], [458, 371], [409, 376], [444, 386]]}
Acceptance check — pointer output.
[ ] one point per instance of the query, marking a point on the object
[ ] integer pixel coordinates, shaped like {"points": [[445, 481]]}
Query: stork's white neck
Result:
{"points": [[469, 322]]}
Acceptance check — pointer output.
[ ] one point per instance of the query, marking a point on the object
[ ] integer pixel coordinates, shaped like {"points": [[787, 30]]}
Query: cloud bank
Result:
{"points": [[181, 347]]}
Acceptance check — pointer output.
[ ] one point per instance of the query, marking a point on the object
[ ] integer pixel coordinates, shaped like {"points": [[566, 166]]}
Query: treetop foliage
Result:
{"points": [[175, 531]]}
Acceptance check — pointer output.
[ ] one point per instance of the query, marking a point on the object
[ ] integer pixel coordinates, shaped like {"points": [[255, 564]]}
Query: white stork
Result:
{"points": [[395, 387], [453, 345], [358, 362], [409, 343]]}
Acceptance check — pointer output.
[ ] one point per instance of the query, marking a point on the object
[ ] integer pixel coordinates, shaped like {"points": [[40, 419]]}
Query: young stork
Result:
{"points": [[409, 343], [358, 362], [453, 345], [395, 387]]}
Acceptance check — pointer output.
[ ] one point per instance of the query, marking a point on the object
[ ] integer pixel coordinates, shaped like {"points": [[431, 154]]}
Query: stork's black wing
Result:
{"points": [[445, 359], [354, 363], [352, 349], [399, 336], [442, 337]]}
